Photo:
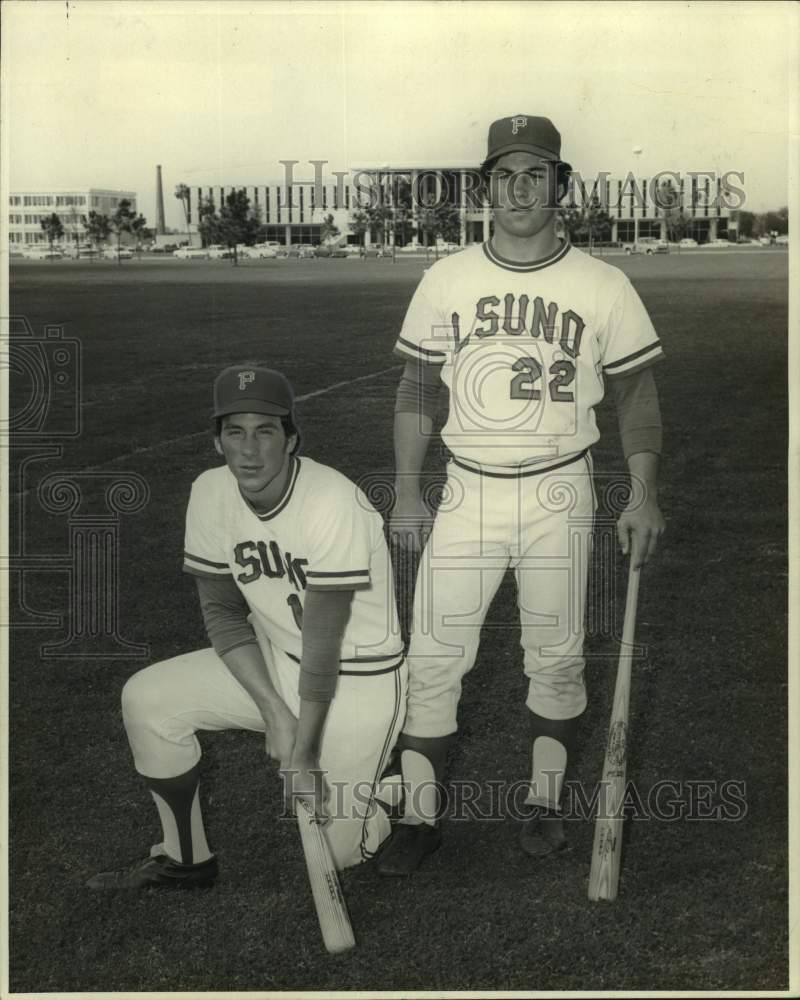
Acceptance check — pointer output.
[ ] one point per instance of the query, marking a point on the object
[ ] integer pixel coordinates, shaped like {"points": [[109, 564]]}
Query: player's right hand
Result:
{"points": [[281, 731], [410, 524], [305, 779]]}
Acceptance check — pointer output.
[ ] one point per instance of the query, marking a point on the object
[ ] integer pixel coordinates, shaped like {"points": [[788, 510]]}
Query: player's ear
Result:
{"points": [[563, 176], [218, 445]]}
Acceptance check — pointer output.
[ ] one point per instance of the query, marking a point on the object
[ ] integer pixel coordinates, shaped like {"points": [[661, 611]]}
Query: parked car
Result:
{"points": [[86, 251], [687, 242], [329, 250], [647, 245], [449, 247], [41, 253], [782, 240], [219, 252], [356, 250], [191, 253], [266, 250], [122, 253], [301, 250], [719, 243]]}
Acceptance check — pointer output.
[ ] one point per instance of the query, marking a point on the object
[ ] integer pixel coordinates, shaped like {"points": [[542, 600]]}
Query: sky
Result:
{"points": [[97, 93]]}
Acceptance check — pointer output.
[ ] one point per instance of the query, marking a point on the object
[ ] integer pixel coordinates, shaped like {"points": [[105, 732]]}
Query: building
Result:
{"points": [[293, 211], [636, 210], [26, 209]]}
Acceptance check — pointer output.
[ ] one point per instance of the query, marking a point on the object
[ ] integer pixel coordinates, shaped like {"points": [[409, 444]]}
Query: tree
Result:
{"points": [[53, 228], [121, 222], [75, 221], [590, 223], [379, 220], [208, 222], [746, 222], [238, 222], [668, 199], [441, 222], [183, 194], [360, 225], [328, 230], [98, 228], [753, 224], [401, 211], [573, 223], [598, 221], [392, 217], [139, 231], [777, 221]]}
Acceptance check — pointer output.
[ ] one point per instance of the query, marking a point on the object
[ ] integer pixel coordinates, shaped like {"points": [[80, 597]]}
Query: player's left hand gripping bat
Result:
{"points": [[607, 849], [328, 899]]}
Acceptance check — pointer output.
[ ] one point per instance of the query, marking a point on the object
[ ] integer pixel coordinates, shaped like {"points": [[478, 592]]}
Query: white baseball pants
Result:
{"points": [[541, 526], [167, 704]]}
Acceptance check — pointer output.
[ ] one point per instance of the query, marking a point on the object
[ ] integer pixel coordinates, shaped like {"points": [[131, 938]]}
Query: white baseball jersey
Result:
{"points": [[322, 535], [524, 349]]}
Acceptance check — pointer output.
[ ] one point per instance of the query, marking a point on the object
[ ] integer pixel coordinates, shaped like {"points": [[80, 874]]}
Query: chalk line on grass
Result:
{"points": [[198, 434]]}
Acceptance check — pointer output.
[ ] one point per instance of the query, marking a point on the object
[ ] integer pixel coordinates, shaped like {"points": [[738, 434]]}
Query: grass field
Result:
{"points": [[703, 903]]}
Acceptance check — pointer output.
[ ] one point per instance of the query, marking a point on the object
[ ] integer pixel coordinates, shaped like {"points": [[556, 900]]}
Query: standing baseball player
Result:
{"points": [[295, 587], [526, 332]]}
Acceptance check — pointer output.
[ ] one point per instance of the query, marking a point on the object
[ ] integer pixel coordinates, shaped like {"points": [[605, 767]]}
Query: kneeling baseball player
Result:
{"points": [[296, 591]]}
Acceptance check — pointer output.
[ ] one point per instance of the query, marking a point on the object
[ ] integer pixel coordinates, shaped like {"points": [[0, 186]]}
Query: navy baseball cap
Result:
{"points": [[252, 389], [523, 134]]}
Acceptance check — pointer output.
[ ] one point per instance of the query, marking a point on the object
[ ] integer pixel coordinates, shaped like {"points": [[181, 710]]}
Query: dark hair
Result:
{"points": [[287, 423]]}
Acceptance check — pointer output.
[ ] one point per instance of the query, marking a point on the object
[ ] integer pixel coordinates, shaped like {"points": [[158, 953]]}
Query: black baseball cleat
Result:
{"points": [[542, 835], [408, 846], [159, 871]]}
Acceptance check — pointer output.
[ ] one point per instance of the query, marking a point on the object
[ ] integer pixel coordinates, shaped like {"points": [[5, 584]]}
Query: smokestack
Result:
{"points": [[160, 224]]}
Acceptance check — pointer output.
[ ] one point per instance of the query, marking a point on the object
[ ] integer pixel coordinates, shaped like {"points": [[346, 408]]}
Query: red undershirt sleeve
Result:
{"points": [[325, 617], [638, 412], [418, 391], [225, 612]]}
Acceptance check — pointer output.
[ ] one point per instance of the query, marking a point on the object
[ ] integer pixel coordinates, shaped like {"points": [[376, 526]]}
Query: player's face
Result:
{"points": [[258, 453], [522, 193]]}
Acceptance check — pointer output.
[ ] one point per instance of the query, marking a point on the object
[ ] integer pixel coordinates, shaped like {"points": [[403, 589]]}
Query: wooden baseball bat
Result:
{"points": [[607, 849], [328, 899]]}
